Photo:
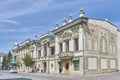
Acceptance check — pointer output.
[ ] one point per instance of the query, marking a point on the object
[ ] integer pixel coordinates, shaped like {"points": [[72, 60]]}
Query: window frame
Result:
{"points": [[76, 65], [39, 53], [67, 44], [60, 47], [76, 44], [52, 50], [45, 49]]}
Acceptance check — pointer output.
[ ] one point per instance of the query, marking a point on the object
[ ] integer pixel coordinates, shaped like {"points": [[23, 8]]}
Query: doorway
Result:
{"points": [[60, 66], [66, 66], [45, 67]]}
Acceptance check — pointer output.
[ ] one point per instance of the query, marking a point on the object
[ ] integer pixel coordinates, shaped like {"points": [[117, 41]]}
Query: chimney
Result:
{"points": [[56, 26], [70, 18], [81, 13], [64, 22]]}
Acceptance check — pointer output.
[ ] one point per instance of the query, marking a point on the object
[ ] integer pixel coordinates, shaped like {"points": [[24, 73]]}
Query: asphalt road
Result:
{"points": [[4, 75]]}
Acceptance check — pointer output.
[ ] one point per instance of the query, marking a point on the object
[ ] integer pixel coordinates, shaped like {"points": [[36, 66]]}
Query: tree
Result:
{"points": [[9, 57], [5, 63], [28, 61], [6, 60], [18, 62]]}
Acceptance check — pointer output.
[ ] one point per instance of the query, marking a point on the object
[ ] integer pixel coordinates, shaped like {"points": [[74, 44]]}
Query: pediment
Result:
{"points": [[66, 33]]}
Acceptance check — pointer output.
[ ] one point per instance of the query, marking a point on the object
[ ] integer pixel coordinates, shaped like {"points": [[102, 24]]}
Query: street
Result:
{"points": [[5, 75]]}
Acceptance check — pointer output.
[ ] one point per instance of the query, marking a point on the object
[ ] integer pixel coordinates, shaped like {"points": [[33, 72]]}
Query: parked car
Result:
{"points": [[13, 70]]}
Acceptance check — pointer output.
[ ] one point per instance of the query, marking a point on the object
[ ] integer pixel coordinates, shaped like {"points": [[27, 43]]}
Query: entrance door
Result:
{"points": [[60, 67], [44, 67], [67, 66]]}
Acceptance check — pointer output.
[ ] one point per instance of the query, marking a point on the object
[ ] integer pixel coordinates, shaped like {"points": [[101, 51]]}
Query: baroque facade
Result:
{"points": [[81, 46]]}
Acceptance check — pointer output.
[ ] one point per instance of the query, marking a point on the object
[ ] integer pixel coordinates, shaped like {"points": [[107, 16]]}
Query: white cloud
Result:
{"points": [[20, 30], [9, 21], [16, 37], [7, 30], [32, 7], [36, 6]]}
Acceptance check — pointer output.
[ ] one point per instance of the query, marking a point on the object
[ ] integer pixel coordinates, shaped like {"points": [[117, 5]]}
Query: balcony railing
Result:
{"points": [[66, 55]]}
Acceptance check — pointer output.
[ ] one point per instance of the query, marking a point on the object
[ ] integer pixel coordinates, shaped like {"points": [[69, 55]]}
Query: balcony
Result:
{"points": [[66, 55]]}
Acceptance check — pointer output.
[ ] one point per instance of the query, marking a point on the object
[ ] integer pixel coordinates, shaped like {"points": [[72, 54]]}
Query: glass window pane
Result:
{"points": [[67, 46], [45, 50], [60, 47], [39, 53], [76, 65], [76, 44], [52, 50]]}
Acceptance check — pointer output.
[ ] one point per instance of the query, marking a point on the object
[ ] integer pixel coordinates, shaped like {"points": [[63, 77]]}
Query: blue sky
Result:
{"points": [[22, 19]]}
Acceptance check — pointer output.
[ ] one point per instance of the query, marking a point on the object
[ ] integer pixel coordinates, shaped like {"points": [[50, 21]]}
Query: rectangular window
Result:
{"points": [[76, 65], [45, 49], [39, 53], [112, 64], [92, 63], [15, 57], [67, 46], [51, 65], [52, 50], [76, 44], [104, 64], [61, 47]]}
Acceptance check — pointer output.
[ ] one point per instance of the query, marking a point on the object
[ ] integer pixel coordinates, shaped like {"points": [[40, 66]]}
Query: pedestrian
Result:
{"points": [[60, 70], [37, 69]]}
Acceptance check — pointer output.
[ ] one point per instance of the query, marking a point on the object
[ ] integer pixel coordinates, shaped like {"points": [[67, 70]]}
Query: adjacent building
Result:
{"points": [[81, 46]]}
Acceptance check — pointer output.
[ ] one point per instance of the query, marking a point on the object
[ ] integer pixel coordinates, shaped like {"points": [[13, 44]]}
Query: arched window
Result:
{"points": [[103, 44]]}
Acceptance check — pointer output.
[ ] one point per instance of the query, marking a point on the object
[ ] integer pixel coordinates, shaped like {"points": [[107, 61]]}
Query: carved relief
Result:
{"points": [[44, 41], [75, 29], [112, 38], [32, 47], [75, 32], [66, 35], [94, 32]]}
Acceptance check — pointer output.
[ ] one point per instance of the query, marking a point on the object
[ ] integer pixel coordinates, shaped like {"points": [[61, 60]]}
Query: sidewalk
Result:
{"points": [[106, 76], [45, 74], [70, 75]]}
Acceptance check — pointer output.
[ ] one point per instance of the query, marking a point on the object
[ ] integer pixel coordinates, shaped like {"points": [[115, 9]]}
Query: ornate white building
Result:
{"points": [[80, 46]]}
